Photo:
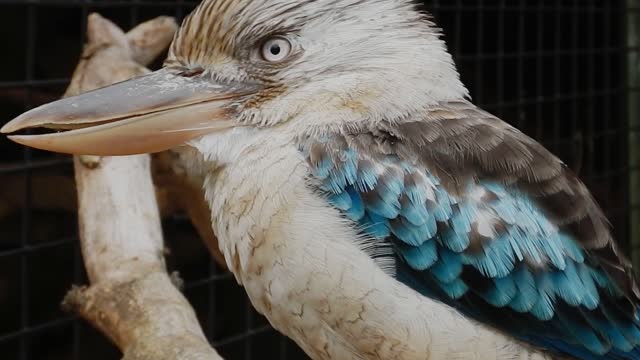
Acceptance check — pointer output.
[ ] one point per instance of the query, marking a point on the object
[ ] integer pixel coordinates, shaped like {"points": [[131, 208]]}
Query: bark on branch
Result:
{"points": [[132, 299]]}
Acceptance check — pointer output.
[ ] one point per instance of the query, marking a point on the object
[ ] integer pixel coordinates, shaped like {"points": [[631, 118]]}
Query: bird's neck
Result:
{"points": [[249, 179]]}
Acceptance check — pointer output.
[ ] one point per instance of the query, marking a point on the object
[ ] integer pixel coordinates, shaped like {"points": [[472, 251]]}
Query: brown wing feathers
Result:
{"points": [[458, 142]]}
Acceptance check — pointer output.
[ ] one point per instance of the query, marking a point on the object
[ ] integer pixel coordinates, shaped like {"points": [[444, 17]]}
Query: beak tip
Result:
{"points": [[16, 138], [8, 128], [34, 141], [19, 123]]}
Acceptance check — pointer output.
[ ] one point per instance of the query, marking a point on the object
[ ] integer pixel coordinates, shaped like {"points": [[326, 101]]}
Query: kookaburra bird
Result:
{"points": [[369, 209]]}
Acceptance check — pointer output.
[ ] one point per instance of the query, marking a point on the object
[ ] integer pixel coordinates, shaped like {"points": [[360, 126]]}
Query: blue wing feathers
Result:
{"points": [[527, 294], [609, 331], [502, 293], [415, 213], [488, 251], [463, 216], [454, 241], [584, 335], [592, 297], [356, 211], [449, 266], [568, 285], [409, 233], [375, 204], [415, 184], [341, 200], [420, 257], [544, 309], [375, 226], [454, 289], [497, 259]]}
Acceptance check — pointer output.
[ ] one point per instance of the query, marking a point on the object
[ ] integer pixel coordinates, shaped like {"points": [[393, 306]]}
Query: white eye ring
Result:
{"points": [[276, 49]]}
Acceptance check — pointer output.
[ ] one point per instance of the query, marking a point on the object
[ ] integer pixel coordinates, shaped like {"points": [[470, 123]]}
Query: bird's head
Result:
{"points": [[308, 64]]}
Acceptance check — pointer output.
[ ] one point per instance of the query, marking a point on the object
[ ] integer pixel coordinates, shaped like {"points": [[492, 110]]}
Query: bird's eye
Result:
{"points": [[276, 49]]}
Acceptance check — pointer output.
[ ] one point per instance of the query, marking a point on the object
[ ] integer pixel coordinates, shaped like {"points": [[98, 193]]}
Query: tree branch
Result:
{"points": [[131, 299]]}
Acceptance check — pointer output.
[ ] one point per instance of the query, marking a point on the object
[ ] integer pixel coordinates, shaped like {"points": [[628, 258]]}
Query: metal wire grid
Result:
{"points": [[556, 69], [633, 68]]}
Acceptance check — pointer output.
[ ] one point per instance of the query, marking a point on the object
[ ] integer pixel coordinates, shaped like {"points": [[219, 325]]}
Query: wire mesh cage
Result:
{"points": [[565, 72]]}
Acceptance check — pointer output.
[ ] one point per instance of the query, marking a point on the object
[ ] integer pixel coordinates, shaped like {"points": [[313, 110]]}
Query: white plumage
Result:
{"points": [[357, 117]]}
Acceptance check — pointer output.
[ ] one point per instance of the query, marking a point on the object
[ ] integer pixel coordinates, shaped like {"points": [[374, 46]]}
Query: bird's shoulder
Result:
{"points": [[484, 218]]}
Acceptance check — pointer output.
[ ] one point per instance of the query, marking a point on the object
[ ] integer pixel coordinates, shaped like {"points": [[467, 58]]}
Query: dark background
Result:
{"points": [[557, 69]]}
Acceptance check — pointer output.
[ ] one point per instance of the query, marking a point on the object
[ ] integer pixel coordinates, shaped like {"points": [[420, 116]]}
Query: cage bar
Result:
{"points": [[633, 43]]}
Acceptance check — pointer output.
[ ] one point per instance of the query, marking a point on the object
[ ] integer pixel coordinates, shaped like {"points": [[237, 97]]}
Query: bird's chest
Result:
{"points": [[254, 217], [294, 255], [249, 201]]}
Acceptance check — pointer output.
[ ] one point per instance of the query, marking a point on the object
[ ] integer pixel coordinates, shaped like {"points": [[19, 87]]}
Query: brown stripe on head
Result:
{"points": [[216, 27], [265, 95], [207, 33]]}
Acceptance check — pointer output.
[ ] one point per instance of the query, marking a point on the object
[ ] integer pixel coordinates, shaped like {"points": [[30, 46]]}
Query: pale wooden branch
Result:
{"points": [[174, 194], [131, 299]]}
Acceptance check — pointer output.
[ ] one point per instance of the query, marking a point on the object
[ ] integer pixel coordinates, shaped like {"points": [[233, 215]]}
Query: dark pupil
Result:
{"points": [[275, 49]]}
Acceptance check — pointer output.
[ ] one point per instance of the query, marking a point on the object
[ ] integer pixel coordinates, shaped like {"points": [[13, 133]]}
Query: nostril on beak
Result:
{"points": [[189, 73]]}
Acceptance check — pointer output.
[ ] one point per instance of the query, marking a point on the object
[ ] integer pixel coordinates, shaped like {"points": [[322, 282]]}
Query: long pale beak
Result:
{"points": [[152, 113]]}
